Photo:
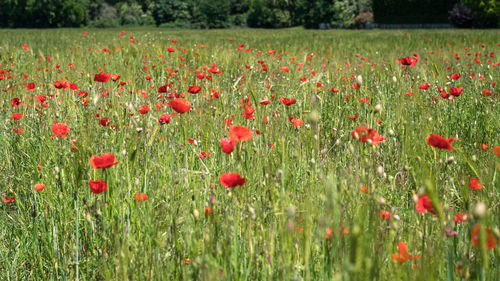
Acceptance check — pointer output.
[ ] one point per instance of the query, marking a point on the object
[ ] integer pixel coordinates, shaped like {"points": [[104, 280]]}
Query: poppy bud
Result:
{"points": [[359, 79], [480, 210]]}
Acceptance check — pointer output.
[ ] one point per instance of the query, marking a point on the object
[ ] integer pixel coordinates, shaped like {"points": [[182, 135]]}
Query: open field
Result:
{"points": [[344, 148]]}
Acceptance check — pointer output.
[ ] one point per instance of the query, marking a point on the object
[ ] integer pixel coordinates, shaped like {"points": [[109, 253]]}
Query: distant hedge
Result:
{"points": [[412, 11]]}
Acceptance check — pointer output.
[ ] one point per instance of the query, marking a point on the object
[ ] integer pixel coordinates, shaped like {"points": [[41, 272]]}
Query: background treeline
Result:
{"points": [[242, 13]]}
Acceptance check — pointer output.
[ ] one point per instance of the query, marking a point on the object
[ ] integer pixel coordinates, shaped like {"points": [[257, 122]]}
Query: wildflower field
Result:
{"points": [[155, 154]]}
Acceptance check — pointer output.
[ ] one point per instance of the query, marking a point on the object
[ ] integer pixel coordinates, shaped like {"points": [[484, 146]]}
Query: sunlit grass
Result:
{"points": [[310, 206]]}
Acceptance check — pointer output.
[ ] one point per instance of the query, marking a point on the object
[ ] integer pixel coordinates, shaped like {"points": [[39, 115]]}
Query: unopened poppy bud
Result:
{"points": [[394, 79], [415, 198], [356, 136], [138, 130], [314, 116], [359, 79], [474, 158], [450, 159], [391, 132], [382, 200], [396, 217], [480, 210], [356, 229], [290, 211], [378, 108], [252, 212], [337, 142], [196, 214], [380, 170]]}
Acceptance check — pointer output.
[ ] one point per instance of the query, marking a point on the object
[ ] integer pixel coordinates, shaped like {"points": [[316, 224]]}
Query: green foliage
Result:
{"points": [[312, 13], [215, 13], [345, 12], [412, 11], [236, 13], [269, 14], [486, 13], [170, 10]]}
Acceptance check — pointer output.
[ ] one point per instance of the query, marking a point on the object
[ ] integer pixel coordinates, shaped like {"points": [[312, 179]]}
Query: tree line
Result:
{"points": [[245, 13]]}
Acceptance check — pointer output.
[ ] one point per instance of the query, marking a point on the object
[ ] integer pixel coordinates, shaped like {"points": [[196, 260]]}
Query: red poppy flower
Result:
{"points": [[385, 215], [264, 101], [115, 77], [424, 86], [16, 116], [164, 119], [63, 84], [30, 87], [163, 89], [461, 217], [424, 204], [144, 109], [194, 89], [16, 102], [39, 187], [227, 145], [208, 211], [104, 161], [231, 180], [102, 77], [455, 76], [97, 186], [287, 101], [491, 241], [60, 130], [237, 133], [496, 150], [440, 142], [364, 134], [403, 255], [8, 200], [456, 91], [296, 121], [475, 184], [104, 122], [41, 98], [408, 61], [180, 105], [285, 69], [141, 197], [329, 233], [248, 111]]}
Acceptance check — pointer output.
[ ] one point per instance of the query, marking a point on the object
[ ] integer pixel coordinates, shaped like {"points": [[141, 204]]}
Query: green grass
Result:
{"points": [[273, 227]]}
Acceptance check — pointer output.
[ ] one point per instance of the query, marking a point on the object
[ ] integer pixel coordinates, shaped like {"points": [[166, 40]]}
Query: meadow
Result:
{"points": [[156, 154]]}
